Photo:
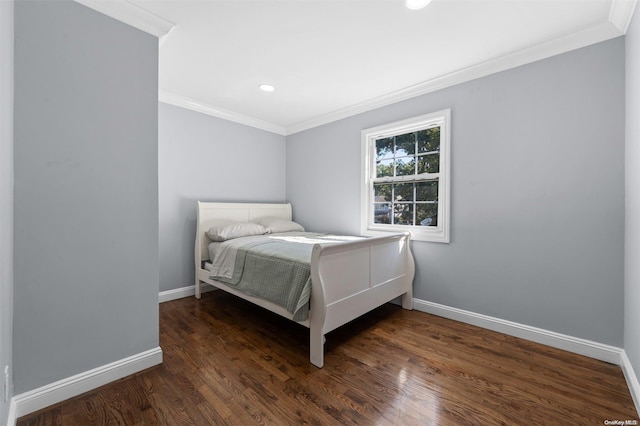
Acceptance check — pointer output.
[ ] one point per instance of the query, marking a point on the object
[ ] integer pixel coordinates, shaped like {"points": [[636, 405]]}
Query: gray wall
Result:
{"points": [[537, 192], [6, 196], [206, 158], [86, 192], [632, 193]]}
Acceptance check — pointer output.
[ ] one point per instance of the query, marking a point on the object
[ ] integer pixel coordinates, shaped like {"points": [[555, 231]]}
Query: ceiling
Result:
{"points": [[329, 59]]}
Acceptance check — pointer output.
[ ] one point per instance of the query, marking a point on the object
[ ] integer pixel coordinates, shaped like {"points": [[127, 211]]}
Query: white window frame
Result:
{"points": [[439, 233]]}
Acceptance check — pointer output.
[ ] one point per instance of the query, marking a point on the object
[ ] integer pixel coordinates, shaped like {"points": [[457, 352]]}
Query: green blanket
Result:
{"points": [[276, 270]]}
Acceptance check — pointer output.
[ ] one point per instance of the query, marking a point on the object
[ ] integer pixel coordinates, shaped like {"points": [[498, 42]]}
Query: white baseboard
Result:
{"points": [[585, 347], [42, 397], [600, 351], [576, 345], [12, 419], [179, 293], [632, 380]]}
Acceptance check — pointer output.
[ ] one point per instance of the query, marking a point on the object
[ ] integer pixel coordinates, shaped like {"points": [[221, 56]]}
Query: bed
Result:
{"points": [[347, 278]]}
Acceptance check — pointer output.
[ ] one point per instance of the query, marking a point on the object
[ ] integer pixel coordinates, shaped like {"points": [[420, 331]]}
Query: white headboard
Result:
{"points": [[208, 213]]}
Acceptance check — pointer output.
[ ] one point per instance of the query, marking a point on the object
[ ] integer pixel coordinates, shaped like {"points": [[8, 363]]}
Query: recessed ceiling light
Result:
{"points": [[417, 4], [267, 88]]}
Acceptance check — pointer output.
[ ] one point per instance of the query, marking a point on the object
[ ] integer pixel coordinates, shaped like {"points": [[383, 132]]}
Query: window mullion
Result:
{"points": [[393, 206]]}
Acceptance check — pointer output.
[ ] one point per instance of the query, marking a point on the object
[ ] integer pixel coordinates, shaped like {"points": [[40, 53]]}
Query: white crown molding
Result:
{"points": [[621, 13], [586, 37], [132, 14], [538, 52], [199, 106], [36, 399], [620, 16], [607, 353]]}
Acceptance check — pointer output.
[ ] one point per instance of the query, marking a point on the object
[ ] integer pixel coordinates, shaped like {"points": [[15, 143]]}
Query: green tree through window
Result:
{"points": [[415, 155], [406, 176]]}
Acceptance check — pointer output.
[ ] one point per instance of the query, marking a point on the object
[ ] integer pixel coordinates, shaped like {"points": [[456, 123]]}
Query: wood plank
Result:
{"points": [[227, 361]]}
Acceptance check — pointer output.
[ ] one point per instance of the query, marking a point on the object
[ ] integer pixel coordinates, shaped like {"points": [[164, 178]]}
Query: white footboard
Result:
{"points": [[347, 279], [351, 279]]}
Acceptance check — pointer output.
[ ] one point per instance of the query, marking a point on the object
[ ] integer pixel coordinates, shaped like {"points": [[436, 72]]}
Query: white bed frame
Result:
{"points": [[347, 279]]}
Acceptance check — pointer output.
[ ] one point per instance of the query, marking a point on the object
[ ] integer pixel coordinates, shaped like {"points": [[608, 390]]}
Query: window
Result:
{"points": [[405, 177]]}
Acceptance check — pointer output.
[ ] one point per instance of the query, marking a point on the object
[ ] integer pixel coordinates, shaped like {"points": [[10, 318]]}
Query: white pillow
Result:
{"points": [[275, 224], [235, 230]]}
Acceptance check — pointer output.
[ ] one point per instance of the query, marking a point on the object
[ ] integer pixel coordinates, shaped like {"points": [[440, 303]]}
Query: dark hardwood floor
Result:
{"points": [[229, 362]]}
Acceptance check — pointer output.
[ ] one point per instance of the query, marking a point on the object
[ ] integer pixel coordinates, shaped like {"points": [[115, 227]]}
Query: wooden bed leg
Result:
{"points": [[316, 347], [198, 295]]}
